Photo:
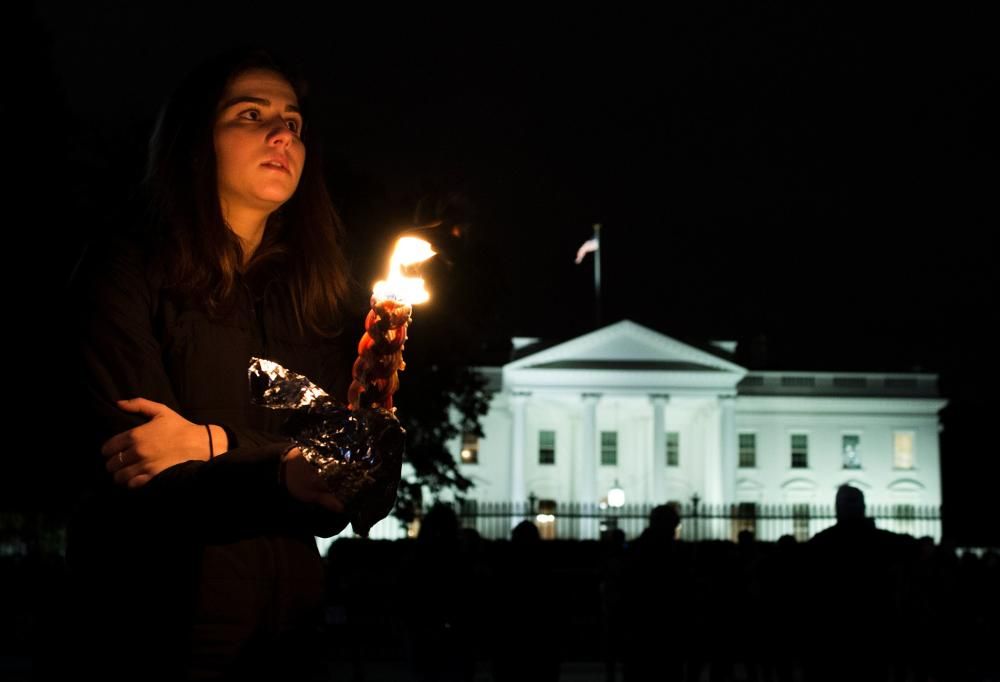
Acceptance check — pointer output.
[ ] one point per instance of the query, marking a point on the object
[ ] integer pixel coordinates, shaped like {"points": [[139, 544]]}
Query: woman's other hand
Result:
{"points": [[305, 484], [135, 456]]}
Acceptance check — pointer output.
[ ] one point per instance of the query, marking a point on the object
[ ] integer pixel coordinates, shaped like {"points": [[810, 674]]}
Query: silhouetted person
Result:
{"points": [[748, 641], [525, 534], [527, 638], [613, 545], [784, 581], [656, 609], [482, 579], [440, 607], [856, 568]]}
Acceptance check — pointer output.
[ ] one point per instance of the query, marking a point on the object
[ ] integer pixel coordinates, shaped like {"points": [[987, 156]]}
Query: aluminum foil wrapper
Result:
{"points": [[358, 453]]}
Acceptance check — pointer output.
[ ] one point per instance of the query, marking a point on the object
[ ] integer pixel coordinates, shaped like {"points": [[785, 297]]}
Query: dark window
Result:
{"points": [[673, 449], [546, 447], [609, 448], [748, 449], [800, 451], [798, 382]]}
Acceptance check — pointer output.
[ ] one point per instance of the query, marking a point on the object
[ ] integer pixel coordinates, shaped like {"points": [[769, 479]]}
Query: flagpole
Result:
{"points": [[593, 245], [597, 275]]}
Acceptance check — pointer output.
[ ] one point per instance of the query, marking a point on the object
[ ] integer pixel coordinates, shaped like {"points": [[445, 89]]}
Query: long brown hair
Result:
{"points": [[198, 253]]}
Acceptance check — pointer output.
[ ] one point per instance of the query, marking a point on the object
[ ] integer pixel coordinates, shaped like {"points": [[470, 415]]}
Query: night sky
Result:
{"points": [[813, 183]]}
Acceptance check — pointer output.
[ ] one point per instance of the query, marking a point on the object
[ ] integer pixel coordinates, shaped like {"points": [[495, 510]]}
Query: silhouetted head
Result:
{"points": [[439, 526], [850, 503], [787, 542], [525, 533], [664, 519]]}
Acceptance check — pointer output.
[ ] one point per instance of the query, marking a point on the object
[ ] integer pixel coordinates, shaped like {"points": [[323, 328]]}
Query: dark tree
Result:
{"points": [[441, 395]]}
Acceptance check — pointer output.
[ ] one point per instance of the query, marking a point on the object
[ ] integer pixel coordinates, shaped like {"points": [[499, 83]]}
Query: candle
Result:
{"points": [[380, 350]]}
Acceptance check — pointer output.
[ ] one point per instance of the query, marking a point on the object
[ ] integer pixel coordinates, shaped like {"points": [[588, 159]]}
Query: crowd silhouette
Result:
{"points": [[853, 603]]}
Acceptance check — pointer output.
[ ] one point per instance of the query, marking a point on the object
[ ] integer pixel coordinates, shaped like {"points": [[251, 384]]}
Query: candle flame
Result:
{"points": [[398, 284]]}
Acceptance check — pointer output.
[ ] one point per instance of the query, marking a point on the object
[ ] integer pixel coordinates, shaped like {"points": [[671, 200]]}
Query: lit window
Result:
{"points": [[546, 447], [851, 451], [545, 520], [609, 448], [903, 447], [748, 450], [800, 522], [800, 450], [673, 449], [745, 519], [470, 448]]}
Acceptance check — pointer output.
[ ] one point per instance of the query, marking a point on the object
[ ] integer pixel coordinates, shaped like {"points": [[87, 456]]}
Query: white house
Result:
{"points": [[629, 408]]}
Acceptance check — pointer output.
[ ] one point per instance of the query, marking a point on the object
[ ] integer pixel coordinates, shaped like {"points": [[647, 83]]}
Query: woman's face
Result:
{"points": [[257, 123]]}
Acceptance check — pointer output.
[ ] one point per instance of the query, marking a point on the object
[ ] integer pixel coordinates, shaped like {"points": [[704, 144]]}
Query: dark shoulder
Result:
{"points": [[827, 535], [118, 264], [131, 251]]}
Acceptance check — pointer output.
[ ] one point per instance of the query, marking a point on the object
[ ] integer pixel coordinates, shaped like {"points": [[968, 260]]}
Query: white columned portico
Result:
{"points": [[658, 474], [518, 402], [711, 426], [727, 424], [586, 458]]}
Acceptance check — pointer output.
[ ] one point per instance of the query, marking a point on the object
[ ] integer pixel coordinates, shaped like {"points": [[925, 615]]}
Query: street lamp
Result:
{"points": [[616, 500], [616, 496]]}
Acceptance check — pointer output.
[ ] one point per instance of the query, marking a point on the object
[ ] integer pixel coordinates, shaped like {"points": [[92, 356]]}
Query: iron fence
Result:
{"points": [[578, 521]]}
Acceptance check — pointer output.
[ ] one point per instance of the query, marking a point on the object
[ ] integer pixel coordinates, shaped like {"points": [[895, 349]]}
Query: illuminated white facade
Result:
{"points": [[666, 421]]}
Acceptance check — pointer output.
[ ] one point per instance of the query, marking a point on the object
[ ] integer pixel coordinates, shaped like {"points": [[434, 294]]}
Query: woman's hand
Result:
{"points": [[137, 455], [305, 484]]}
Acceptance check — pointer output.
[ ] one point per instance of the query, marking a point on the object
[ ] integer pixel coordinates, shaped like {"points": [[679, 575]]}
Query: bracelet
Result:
{"points": [[211, 449]]}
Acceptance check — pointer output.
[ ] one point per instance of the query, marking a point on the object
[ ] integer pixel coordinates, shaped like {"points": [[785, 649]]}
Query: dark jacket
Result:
{"points": [[210, 568]]}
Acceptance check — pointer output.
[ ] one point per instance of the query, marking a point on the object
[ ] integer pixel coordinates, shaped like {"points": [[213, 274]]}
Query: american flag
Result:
{"points": [[585, 248]]}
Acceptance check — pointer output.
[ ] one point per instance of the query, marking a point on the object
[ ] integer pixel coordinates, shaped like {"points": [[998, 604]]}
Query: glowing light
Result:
{"points": [[400, 283], [616, 496], [545, 518]]}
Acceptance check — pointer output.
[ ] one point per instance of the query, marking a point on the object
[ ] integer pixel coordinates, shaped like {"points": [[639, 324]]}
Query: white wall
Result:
{"points": [[773, 419], [826, 420]]}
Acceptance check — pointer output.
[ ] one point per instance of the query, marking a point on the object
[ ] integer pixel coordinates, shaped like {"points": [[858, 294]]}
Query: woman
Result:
{"points": [[194, 554]]}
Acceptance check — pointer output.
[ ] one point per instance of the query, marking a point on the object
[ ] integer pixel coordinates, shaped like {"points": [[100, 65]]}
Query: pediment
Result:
{"points": [[749, 485], [907, 485], [626, 346], [799, 484]]}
